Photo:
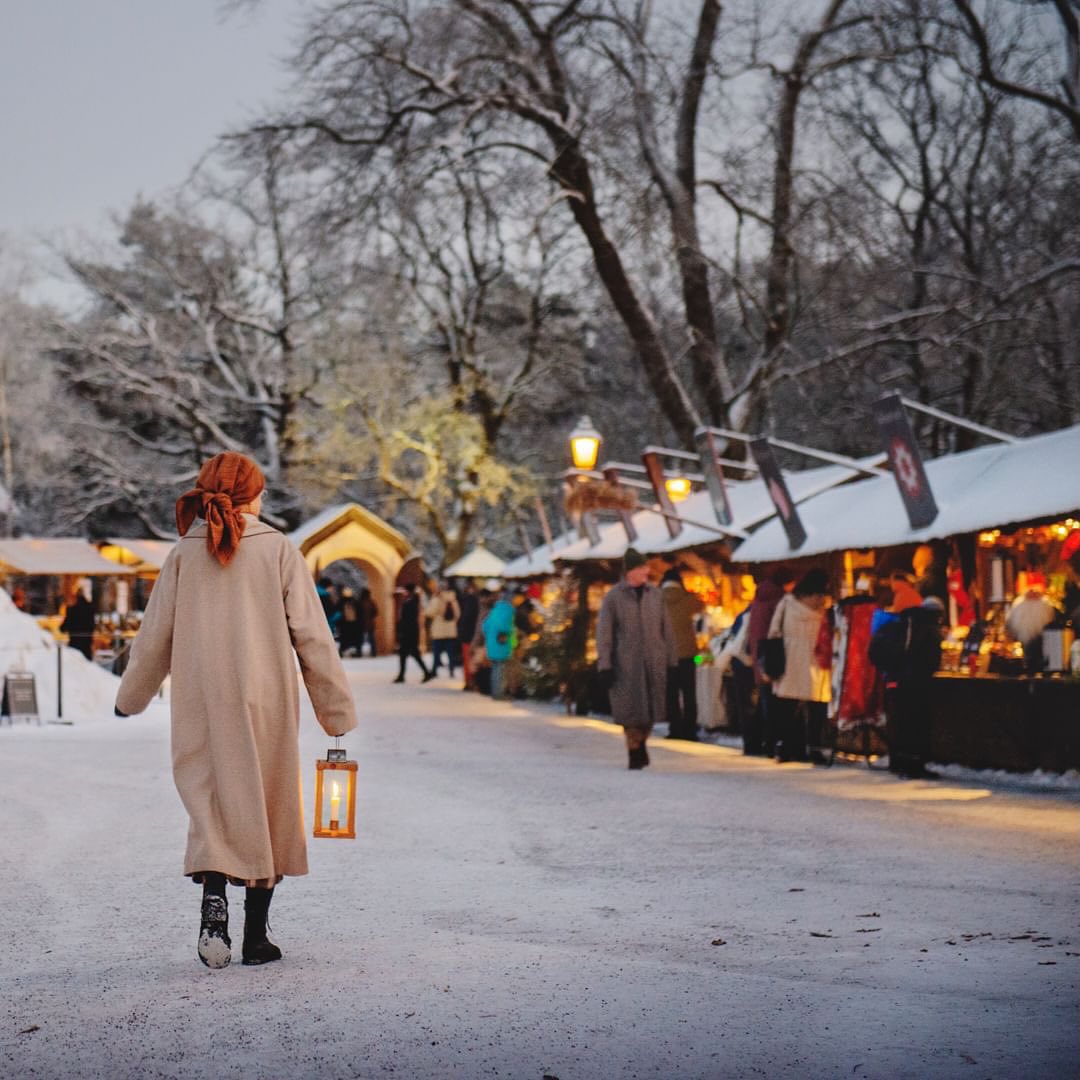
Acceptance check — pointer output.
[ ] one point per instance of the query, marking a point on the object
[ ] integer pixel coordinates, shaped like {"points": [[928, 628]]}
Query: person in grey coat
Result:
{"points": [[635, 646]]}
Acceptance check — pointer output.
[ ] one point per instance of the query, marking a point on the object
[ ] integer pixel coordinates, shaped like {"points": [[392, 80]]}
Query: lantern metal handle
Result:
{"points": [[336, 753]]}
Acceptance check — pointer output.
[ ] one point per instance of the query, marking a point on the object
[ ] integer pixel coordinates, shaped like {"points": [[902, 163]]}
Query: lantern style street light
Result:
{"points": [[335, 796], [585, 444], [678, 488]]}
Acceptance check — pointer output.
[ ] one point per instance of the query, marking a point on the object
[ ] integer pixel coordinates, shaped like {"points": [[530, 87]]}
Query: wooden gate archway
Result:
{"points": [[351, 532]]}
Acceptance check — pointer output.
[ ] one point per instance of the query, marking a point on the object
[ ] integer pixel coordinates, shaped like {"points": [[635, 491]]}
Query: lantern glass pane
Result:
{"points": [[336, 811]]}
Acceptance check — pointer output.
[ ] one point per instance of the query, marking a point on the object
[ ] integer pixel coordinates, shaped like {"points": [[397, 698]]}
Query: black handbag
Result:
{"points": [[773, 657]]}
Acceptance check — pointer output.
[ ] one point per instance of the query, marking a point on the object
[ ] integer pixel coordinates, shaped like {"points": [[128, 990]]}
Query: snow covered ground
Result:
{"points": [[520, 905]]}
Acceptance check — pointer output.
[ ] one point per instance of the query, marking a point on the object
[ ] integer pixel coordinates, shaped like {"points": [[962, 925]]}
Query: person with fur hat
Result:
{"points": [[635, 647], [232, 610]]}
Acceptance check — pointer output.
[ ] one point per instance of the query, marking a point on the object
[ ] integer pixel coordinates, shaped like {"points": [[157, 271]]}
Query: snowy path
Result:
{"points": [[519, 905]]}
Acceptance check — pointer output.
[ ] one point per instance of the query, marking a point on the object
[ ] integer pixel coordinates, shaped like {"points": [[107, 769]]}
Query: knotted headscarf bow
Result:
{"points": [[224, 482]]}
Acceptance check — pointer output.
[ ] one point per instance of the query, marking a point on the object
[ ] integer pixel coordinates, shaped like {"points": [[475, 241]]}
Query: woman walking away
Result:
{"points": [[232, 603]]}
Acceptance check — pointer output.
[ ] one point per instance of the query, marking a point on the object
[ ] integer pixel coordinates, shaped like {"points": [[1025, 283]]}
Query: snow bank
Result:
{"points": [[88, 690]]}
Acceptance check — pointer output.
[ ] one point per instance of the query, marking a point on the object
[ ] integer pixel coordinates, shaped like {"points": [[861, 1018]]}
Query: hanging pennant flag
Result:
{"points": [[714, 475], [905, 460], [773, 478], [655, 472], [523, 536], [545, 526], [627, 519]]}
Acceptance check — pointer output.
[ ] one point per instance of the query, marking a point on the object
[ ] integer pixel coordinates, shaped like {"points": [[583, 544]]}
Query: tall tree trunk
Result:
{"points": [[571, 172]]}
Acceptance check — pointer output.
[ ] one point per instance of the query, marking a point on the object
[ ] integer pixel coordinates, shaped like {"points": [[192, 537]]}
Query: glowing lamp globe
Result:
{"points": [[678, 488], [335, 797], [585, 444]]}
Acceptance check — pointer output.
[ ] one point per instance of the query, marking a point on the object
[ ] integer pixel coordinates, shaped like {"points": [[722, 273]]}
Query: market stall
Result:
{"points": [[701, 549], [45, 575], [1006, 534]]}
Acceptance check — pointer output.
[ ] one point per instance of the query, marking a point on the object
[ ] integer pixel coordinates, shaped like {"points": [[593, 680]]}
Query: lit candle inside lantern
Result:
{"points": [[335, 802]]}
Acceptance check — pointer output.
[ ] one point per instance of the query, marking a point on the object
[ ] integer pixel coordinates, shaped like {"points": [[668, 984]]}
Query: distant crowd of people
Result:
{"points": [[477, 628], [779, 652], [782, 649], [352, 617]]}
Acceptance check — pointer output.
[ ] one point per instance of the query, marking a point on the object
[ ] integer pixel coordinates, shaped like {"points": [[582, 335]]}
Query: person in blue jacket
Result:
{"points": [[498, 629]]}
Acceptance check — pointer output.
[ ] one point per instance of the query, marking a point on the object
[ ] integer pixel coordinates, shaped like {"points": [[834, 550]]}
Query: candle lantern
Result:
{"points": [[335, 796]]}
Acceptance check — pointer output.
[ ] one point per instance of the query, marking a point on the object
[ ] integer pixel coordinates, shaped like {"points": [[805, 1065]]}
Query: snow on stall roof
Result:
{"points": [[151, 553], [57, 556], [478, 563], [313, 526], [89, 690], [750, 505], [1035, 478], [539, 562]]}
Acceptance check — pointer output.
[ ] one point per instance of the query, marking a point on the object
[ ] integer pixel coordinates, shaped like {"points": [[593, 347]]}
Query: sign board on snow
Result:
{"points": [[20, 695], [905, 460]]}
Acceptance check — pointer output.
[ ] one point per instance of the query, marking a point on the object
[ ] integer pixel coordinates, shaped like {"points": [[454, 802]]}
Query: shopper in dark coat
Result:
{"points": [[682, 608], [759, 735], [466, 629], [911, 656], [349, 633], [369, 614], [635, 647], [78, 624], [408, 634]]}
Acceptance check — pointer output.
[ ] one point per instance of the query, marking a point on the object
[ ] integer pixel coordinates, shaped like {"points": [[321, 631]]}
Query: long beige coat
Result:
{"points": [[635, 642], [441, 628], [798, 624], [227, 635]]}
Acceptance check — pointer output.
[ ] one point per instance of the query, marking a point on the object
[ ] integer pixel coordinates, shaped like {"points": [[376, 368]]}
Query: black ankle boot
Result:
{"points": [[638, 759], [215, 946], [258, 948]]}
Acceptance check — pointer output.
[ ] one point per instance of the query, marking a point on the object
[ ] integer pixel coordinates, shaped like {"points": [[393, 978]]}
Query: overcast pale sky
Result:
{"points": [[107, 99]]}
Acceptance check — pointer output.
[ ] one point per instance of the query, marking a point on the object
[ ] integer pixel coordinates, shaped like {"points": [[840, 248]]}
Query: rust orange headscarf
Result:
{"points": [[224, 482]]}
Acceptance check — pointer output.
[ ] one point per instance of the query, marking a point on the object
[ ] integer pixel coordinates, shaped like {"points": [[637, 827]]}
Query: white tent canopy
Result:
{"points": [[478, 563], [1032, 479], [58, 557]]}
